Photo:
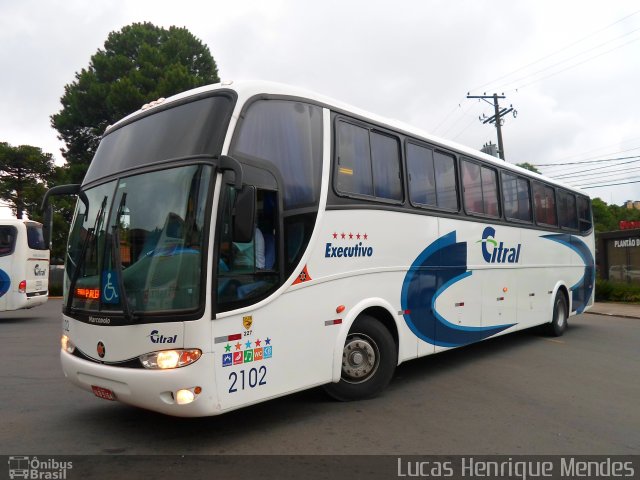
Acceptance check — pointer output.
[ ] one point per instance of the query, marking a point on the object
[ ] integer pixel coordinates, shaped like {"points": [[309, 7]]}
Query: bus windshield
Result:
{"points": [[140, 247]]}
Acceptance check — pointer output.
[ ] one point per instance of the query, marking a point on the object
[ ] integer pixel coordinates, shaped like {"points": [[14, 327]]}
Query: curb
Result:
{"points": [[621, 315]]}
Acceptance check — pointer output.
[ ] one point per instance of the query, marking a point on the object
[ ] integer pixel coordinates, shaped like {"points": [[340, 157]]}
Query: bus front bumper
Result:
{"points": [[155, 390]]}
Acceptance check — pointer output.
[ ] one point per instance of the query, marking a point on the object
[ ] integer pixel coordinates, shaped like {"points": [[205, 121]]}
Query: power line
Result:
{"points": [[583, 162], [603, 148], [607, 185], [557, 51], [569, 170], [465, 128], [601, 174], [596, 168], [570, 67], [459, 105], [462, 116]]}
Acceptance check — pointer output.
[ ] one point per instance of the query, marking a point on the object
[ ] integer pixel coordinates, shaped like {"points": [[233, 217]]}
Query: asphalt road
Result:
{"points": [[519, 394]]}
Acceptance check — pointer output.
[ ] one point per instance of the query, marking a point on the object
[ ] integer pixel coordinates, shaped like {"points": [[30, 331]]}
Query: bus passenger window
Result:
{"points": [[35, 238], [368, 163], [567, 213], [385, 161], [489, 191], [480, 189], [354, 160], [545, 204], [422, 181], [584, 214], [517, 200], [446, 185], [7, 240]]}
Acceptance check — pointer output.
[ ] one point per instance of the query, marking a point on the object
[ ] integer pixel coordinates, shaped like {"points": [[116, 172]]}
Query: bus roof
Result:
{"points": [[15, 221], [247, 89]]}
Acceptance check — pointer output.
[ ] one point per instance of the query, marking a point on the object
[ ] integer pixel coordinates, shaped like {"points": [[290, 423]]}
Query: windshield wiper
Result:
{"points": [[91, 234], [115, 245]]}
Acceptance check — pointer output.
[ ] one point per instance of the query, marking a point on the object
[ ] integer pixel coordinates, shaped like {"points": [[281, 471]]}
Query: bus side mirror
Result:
{"points": [[47, 226], [73, 189], [229, 163], [244, 214]]}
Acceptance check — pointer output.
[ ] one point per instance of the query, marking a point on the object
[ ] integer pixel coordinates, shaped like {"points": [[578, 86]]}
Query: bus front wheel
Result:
{"points": [[369, 358], [558, 323]]}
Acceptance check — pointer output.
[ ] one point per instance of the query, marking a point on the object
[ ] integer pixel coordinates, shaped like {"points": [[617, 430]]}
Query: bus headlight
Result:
{"points": [[165, 359], [66, 344]]}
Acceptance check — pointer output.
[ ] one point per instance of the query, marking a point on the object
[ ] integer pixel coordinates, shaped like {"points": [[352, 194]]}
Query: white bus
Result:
{"points": [[243, 241], [24, 265]]}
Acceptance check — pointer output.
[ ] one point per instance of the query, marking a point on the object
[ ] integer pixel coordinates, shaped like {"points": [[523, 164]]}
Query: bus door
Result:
{"points": [[247, 270]]}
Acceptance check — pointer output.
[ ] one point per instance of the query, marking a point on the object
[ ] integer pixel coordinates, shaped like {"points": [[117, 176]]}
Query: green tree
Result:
{"points": [[24, 172], [603, 218], [606, 218], [138, 64], [528, 166]]}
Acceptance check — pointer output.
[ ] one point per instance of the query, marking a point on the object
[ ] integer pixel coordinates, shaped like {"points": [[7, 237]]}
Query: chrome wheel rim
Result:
{"points": [[360, 358]]}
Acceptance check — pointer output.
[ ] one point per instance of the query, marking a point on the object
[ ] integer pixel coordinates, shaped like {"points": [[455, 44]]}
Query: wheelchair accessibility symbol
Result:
{"points": [[110, 288]]}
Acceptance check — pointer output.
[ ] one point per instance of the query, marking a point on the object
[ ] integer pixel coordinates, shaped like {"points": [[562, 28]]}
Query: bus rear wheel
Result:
{"points": [[369, 358], [558, 323]]}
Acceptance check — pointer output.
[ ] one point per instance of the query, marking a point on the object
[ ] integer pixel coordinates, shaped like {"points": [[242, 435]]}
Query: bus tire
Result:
{"points": [[369, 359], [558, 323]]}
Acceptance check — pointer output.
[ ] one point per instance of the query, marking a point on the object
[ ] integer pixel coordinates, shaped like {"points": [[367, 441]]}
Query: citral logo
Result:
{"points": [[156, 338], [497, 253], [38, 271]]}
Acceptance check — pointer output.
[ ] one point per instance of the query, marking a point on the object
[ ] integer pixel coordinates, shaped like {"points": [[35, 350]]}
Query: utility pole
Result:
{"points": [[497, 117]]}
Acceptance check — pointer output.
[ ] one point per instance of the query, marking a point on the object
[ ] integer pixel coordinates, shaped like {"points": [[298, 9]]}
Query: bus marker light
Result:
{"points": [[340, 309], [228, 338], [22, 287], [197, 390], [505, 289], [460, 304], [333, 322], [103, 393]]}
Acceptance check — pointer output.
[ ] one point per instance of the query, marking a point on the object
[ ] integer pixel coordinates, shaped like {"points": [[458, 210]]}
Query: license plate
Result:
{"points": [[103, 393]]}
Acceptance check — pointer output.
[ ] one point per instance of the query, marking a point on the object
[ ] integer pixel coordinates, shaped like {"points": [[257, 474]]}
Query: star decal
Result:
{"points": [[238, 346], [248, 344], [365, 236], [335, 235], [258, 342], [343, 235], [350, 236], [268, 341], [358, 236], [227, 348]]}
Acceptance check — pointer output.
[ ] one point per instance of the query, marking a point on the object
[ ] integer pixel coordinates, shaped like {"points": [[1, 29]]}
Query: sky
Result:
{"points": [[570, 69]]}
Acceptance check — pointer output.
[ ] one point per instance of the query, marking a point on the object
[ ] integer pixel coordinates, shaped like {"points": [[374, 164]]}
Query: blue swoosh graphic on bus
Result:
{"points": [[5, 282], [580, 292], [439, 266]]}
